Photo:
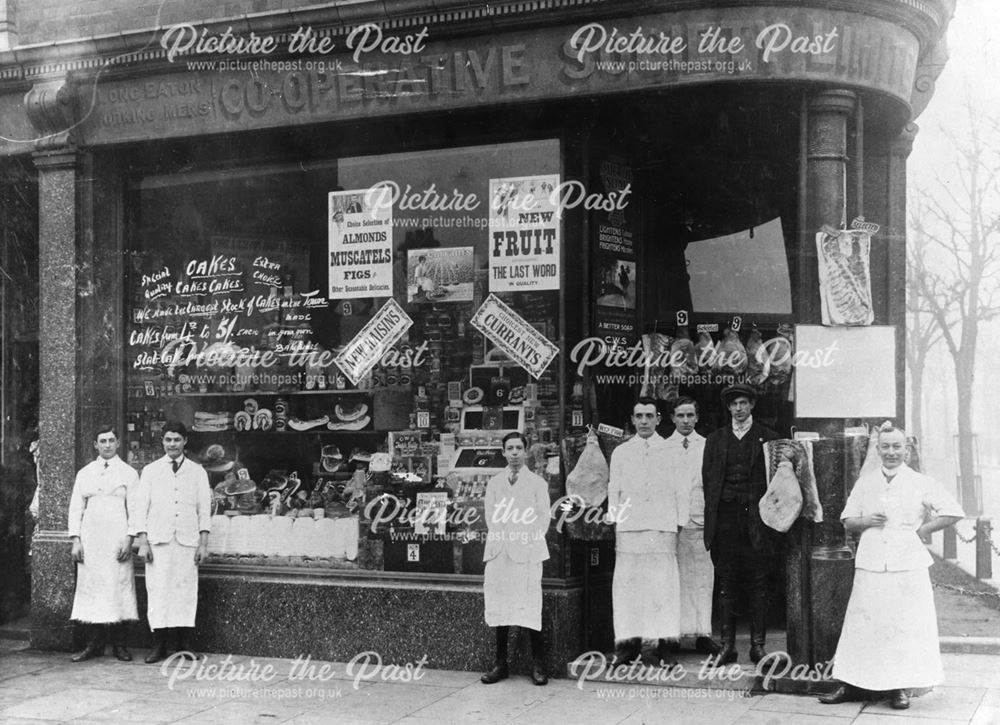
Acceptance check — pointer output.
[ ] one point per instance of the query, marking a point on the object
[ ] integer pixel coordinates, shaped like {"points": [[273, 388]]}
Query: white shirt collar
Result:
{"points": [[652, 440], [740, 430], [889, 475]]}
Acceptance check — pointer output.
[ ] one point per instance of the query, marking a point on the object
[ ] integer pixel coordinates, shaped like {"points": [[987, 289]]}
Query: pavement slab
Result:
{"points": [[38, 687], [943, 703], [66, 703], [806, 705]]}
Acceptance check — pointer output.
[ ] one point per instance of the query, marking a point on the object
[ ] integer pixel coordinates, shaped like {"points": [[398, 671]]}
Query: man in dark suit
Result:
{"points": [[741, 545]]}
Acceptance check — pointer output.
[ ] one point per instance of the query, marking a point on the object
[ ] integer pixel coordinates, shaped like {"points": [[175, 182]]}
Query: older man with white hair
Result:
{"points": [[890, 636]]}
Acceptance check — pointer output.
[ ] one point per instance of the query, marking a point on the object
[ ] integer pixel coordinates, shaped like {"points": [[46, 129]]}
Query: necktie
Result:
{"points": [[513, 478], [685, 443], [175, 465], [105, 464]]}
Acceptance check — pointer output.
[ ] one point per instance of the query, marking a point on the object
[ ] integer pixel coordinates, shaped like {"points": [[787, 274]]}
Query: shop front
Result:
{"points": [[350, 260]]}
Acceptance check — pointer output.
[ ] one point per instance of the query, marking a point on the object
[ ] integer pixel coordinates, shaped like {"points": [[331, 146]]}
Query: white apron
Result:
{"points": [[697, 578], [172, 586], [895, 611], [645, 590], [105, 587], [512, 593]]}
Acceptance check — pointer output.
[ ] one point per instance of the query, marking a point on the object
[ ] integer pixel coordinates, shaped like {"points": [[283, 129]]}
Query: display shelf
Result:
{"points": [[325, 431], [268, 393]]}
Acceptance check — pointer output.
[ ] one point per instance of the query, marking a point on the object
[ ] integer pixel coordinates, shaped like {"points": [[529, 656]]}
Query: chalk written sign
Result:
{"points": [[380, 333], [514, 335], [524, 233]]}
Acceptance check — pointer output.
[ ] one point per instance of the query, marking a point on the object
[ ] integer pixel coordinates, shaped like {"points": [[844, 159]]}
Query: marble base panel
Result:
{"points": [[53, 582], [336, 620], [832, 578]]}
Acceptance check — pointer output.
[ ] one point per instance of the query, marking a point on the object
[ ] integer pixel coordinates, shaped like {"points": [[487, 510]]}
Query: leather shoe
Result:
{"points": [[90, 651], [727, 657], [121, 653], [757, 653], [626, 652], [158, 653], [900, 700], [184, 648], [844, 693], [538, 675], [499, 672], [707, 645]]}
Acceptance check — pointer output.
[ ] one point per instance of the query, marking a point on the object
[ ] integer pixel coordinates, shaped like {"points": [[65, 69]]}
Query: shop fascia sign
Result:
{"points": [[514, 335], [228, 81]]}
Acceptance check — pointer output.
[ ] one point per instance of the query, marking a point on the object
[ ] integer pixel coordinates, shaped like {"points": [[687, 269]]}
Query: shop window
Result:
{"points": [[318, 455]]}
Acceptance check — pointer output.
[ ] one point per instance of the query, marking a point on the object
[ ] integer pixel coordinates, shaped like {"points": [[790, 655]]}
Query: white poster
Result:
{"points": [[745, 272], [380, 333], [524, 234], [360, 240], [845, 372], [514, 335]]}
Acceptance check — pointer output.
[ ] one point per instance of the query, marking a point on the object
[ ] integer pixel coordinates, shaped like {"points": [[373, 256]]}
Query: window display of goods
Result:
{"points": [[205, 422], [303, 425]]}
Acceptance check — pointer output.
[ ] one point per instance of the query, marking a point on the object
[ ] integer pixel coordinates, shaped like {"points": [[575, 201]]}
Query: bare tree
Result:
{"points": [[956, 221], [922, 332]]}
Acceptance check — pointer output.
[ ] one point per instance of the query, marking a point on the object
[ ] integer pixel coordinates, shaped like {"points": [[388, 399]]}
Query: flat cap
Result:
{"points": [[734, 391]]}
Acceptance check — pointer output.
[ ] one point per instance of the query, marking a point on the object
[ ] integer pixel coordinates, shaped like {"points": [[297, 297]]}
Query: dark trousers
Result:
{"points": [[741, 573]]}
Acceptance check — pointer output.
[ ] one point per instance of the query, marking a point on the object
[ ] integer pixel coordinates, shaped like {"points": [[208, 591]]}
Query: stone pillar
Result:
{"points": [[51, 108], [826, 185], [819, 570], [895, 237]]}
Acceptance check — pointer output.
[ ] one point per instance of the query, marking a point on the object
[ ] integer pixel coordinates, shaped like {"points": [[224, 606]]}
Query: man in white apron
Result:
{"points": [[697, 573], [890, 637], [650, 506], [174, 511], [517, 518], [102, 527]]}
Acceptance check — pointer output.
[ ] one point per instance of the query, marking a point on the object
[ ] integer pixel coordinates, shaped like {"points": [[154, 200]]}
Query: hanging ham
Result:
{"points": [[732, 355], [781, 504], [755, 358], [705, 350], [655, 348], [683, 356], [589, 478]]}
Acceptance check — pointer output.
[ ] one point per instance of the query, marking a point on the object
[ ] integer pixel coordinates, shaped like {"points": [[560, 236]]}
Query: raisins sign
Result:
{"points": [[214, 93]]}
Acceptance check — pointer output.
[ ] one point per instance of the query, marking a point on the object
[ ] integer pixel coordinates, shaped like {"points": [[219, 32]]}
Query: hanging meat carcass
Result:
{"points": [[732, 355], [683, 355], [844, 277], [705, 348], [655, 351], [755, 358], [778, 358]]}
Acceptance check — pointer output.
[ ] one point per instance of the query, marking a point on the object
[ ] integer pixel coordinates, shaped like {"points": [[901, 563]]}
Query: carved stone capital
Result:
{"points": [[828, 114], [902, 145], [53, 110], [832, 101], [926, 76]]}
